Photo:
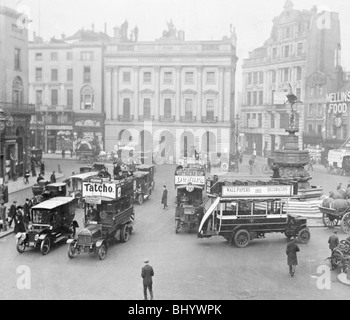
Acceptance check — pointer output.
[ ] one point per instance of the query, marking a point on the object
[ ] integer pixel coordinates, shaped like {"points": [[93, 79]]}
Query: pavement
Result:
{"points": [[19, 185]]}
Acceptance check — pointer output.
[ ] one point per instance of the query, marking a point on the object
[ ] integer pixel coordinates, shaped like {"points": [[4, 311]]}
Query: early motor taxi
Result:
{"points": [[151, 169], [53, 222], [143, 186], [109, 216]]}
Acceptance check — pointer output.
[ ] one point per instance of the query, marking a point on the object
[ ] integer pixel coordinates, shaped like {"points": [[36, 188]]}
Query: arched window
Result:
{"points": [[87, 98], [17, 91]]}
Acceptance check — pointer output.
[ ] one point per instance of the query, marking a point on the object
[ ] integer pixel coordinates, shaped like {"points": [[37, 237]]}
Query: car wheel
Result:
{"points": [[345, 223], [304, 236], [71, 251], [125, 233], [21, 246], [337, 259], [102, 252], [242, 238], [45, 246], [140, 199]]}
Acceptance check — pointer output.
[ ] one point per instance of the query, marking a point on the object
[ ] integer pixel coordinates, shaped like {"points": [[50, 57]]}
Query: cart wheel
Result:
{"points": [[125, 233], [345, 223], [330, 221], [45, 246], [304, 236], [72, 231], [102, 252], [71, 251], [242, 238], [140, 199], [337, 259], [21, 246], [177, 226]]}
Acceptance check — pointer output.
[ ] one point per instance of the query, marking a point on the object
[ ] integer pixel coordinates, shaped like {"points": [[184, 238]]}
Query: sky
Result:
{"points": [[200, 19]]}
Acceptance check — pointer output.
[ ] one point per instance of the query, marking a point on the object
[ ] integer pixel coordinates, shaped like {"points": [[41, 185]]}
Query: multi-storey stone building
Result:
{"points": [[170, 97], [14, 93], [66, 85], [302, 44]]}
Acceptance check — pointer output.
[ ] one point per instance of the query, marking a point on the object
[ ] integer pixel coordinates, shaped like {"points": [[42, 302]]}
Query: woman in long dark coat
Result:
{"points": [[291, 251], [19, 223]]}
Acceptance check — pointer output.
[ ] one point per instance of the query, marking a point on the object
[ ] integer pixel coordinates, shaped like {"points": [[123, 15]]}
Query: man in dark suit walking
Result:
{"points": [[165, 198], [333, 241], [147, 274], [291, 251]]}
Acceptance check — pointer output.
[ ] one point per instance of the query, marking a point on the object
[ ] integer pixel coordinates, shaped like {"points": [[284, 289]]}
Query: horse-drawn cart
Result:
{"points": [[331, 218]]}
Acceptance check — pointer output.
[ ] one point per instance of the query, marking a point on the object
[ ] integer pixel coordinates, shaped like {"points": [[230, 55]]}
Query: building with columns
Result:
{"points": [[14, 142], [66, 86], [302, 43], [170, 97]]}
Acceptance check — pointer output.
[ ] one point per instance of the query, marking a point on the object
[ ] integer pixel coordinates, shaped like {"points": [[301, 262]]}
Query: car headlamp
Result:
{"points": [[36, 238]]}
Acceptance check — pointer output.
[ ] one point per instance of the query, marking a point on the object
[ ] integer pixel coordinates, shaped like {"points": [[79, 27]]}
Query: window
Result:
{"points": [[312, 110], [126, 77], [319, 129], [298, 93], [69, 56], [274, 53], [69, 75], [286, 51], [54, 56], [87, 74], [274, 76], [38, 56], [255, 98], [54, 75], [188, 108], [299, 73], [261, 77], [210, 109], [250, 78], [147, 77], [261, 97], [320, 110], [38, 74], [70, 97], [54, 97], [86, 56], [249, 98], [168, 77], [39, 97], [189, 77], [17, 59], [87, 98], [211, 78], [255, 78], [310, 128], [285, 75], [288, 32], [167, 108], [126, 108], [300, 48], [272, 121], [260, 120], [147, 108]]}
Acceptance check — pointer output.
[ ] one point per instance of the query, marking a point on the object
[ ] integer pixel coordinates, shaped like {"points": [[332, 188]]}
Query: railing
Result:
{"points": [[188, 119], [45, 108], [126, 118], [210, 120], [18, 107], [167, 119], [146, 118]]}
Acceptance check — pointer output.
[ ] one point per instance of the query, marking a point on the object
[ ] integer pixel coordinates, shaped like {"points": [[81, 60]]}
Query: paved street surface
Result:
{"points": [[185, 267]]}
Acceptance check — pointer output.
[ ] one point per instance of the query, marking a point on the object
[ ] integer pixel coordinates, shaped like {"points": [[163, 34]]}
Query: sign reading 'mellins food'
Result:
{"points": [[254, 191], [107, 190], [338, 102]]}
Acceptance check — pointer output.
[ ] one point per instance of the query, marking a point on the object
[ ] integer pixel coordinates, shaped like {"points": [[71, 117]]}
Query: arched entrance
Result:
{"points": [[187, 145], [209, 143], [165, 149], [146, 147]]}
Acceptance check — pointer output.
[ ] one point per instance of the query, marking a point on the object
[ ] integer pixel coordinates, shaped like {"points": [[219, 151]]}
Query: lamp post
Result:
{"points": [[237, 119]]}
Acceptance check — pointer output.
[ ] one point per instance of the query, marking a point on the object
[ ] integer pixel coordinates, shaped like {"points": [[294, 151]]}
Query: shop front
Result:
{"points": [[58, 138]]}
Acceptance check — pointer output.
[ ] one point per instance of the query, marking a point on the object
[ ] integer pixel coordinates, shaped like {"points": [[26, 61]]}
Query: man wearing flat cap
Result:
{"points": [[147, 274]]}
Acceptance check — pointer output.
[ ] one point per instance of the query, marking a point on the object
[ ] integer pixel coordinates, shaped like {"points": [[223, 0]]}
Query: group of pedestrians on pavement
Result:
{"points": [[19, 216]]}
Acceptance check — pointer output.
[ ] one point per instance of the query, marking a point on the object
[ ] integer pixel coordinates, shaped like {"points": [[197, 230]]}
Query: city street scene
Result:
{"points": [[174, 150]]}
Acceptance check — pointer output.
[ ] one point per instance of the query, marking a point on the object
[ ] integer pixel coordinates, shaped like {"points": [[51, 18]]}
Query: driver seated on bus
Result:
{"points": [[184, 199], [92, 214]]}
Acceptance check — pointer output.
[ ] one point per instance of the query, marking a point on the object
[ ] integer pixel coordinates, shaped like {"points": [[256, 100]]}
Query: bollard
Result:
{"points": [[59, 169]]}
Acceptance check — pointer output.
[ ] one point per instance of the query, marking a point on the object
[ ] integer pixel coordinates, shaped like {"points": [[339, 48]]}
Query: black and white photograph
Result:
{"points": [[167, 151]]}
